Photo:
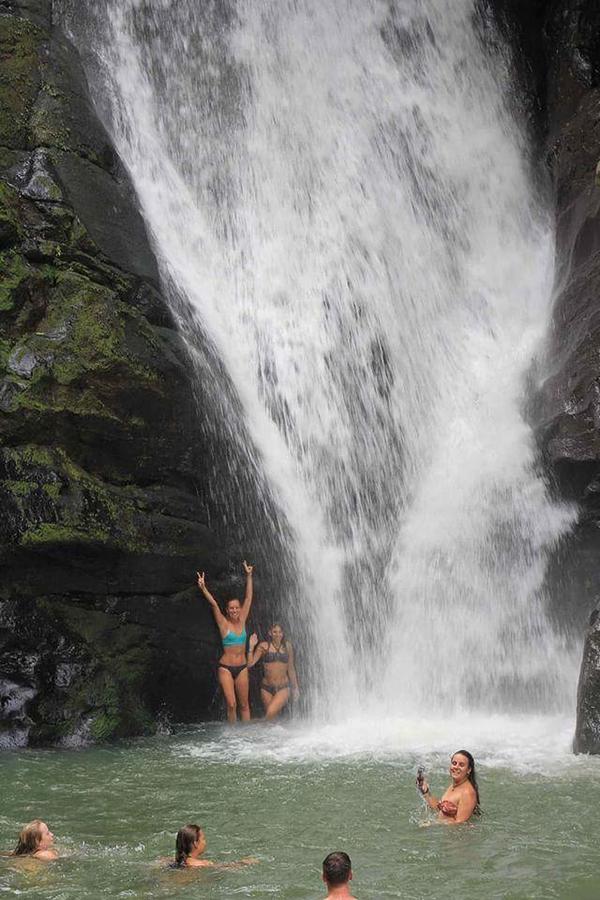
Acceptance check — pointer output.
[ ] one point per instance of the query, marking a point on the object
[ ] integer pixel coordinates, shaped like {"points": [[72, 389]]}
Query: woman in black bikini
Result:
{"points": [[279, 672], [232, 670]]}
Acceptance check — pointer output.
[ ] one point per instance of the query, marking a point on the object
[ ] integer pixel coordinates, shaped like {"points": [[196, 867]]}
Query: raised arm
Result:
{"points": [[245, 611], [292, 672], [219, 617], [255, 653], [430, 800]]}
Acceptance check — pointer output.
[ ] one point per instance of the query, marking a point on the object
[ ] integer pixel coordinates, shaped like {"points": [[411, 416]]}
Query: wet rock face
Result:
{"points": [[571, 410], [570, 398], [521, 23], [104, 460], [587, 733]]}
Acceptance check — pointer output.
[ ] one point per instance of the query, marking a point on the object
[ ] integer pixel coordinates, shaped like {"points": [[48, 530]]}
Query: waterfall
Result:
{"points": [[342, 191]]}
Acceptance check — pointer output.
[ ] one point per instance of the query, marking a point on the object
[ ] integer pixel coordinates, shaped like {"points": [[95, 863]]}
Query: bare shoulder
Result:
{"points": [[467, 794], [45, 854]]}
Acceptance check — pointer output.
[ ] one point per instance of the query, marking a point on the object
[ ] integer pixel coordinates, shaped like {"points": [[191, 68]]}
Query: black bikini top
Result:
{"points": [[280, 656]]}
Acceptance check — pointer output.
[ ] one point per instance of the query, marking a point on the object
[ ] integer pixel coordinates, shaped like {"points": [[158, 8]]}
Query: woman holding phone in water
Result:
{"points": [[232, 670], [461, 798]]}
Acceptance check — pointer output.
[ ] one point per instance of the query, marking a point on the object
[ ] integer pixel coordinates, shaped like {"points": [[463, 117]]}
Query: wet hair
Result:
{"points": [[29, 838], [337, 868], [186, 840], [472, 778]]}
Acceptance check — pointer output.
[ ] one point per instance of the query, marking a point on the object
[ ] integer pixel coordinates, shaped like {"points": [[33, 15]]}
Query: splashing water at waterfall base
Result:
{"points": [[343, 193]]}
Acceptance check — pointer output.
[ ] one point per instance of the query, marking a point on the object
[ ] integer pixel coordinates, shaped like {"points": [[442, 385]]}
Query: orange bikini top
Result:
{"points": [[448, 808]]}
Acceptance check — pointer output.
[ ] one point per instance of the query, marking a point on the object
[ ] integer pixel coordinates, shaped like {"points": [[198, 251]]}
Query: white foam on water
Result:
{"points": [[525, 745], [341, 191]]}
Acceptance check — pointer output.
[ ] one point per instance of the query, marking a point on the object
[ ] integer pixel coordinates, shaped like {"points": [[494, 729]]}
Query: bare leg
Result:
{"points": [[277, 703], [227, 686], [241, 689], [266, 698]]}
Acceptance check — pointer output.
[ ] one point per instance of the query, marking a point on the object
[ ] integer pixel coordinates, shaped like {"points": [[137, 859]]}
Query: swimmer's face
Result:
{"points": [[277, 633], [200, 845], [234, 608], [459, 768], [46, 837]]}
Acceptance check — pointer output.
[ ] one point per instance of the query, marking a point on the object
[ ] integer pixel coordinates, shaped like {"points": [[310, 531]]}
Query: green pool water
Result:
{"points": [[287, 795]]}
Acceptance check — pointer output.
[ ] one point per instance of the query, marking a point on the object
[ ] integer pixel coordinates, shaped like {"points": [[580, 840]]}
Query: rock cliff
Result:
{"points": [[569, 413], [107, 467], [587, 731]]}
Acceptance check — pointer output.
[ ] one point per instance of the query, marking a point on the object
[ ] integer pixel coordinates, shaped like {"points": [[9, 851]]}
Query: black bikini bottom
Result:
{"points": [[234, 670], [272, 688]]}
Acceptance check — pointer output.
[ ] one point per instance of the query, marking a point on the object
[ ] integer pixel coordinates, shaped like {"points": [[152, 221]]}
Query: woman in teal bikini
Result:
{"points": [[232, 670], [279, 671]]}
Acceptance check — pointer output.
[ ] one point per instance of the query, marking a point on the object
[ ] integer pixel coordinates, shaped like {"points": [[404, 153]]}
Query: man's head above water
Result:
{"points": [[337, 872]]}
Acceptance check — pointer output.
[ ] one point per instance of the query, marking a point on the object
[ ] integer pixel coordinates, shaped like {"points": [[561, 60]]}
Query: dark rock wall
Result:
{"points": [[587, 731], [107, 469], [557, 45], [521, 24], [570, 414], [569, 411]]}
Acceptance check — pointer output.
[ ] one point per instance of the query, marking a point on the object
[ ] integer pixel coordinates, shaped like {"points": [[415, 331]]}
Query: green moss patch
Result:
{"points": [[10, 222], [47, 120], [57, 503], [19, 79], [110, 694], [14, 271], [96, 321]]}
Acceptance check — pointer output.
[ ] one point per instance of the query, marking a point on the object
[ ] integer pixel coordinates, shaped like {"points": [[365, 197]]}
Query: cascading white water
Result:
{"points": [[341, 191]]}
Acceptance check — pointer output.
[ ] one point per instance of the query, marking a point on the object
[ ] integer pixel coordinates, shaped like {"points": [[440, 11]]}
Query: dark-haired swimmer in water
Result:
{"points": [[279, 672], [461, 799], [232, 670], [190, 844]]}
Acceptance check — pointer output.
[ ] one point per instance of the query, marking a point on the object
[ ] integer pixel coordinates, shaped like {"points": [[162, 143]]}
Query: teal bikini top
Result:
{"points": [[232, 639]]}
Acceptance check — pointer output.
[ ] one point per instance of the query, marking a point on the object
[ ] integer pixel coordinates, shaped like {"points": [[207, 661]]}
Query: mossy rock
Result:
{"points": [[19, 79], [14, 275], [109, 694], [50, 501], [107, 471], [11, 229], [88, 350], [92, 670]]}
